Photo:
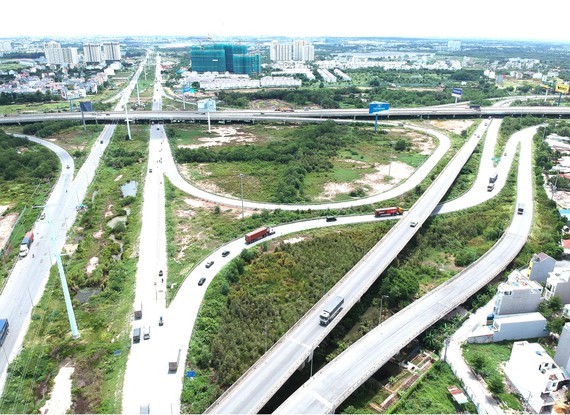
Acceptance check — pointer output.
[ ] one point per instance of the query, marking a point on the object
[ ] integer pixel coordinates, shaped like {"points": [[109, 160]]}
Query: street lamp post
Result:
{"points": [[381, 304], [268, 321], [390, 164], [241, 187]]}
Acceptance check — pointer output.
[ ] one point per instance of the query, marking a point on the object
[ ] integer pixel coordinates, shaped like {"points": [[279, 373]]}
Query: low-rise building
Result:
{"points": [[534, 374], [517, 295], [540, 266], [562, 355], [558, 284]]}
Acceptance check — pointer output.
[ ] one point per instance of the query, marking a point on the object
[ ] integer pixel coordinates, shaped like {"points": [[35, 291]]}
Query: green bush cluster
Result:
{"points": [[47, 128], [22, 160], [7, 98]]}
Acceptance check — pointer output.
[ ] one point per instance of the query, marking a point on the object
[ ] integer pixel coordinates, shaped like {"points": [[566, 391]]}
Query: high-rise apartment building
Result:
{"points": [[299, 50], [92, 53], [454, 45], [56, 55], [111, 51]]}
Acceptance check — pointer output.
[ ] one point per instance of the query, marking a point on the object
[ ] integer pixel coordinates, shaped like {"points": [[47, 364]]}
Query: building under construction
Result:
{"points": [[221, 57]]}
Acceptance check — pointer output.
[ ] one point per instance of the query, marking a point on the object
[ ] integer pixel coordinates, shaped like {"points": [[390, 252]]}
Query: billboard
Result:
{"points": [[207, 105], [456, 92], [562, 88], [85, 106], [378, 107]]}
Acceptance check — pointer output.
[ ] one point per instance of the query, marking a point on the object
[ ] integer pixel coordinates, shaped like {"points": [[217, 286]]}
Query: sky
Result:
{"points": [[448, 19]]}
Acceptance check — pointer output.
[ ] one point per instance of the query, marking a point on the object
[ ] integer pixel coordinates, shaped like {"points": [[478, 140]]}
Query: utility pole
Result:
{"points": [[125, 103]]}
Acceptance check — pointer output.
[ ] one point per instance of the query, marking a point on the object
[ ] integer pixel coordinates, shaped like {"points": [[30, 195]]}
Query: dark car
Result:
{"points": [[160, 321], [201, 281], [209, 264], [225, 253], [330, 218]]}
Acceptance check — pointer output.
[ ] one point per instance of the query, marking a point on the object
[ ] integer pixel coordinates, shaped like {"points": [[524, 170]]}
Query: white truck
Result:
{"points": [[331, 310]]}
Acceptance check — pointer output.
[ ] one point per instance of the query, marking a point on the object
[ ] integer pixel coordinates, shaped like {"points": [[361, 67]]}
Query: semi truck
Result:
{"points": [[258, 234], [4, 326], [26, 244], [388, 211], [173, 364], [493, 177], [331, 310]]}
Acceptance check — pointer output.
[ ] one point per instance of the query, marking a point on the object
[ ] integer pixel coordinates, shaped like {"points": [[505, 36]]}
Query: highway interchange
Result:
{"points": [[147, 379]]}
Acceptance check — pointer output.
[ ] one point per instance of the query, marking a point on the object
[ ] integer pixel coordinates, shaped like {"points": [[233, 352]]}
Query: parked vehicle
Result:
{"points": [[136, 335], [173, 364], [4, 327], [26, 244], [331, 310], [388, 211], [258, 234]]}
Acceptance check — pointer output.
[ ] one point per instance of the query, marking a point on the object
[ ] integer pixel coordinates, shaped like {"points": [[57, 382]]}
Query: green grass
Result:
{"points": [[430, 395], [491, 357], [99, 356]]}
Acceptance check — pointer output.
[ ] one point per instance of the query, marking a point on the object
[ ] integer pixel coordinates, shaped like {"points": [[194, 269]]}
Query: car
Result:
{"points": [[160, 321], [146, 333], [101, 141], [201, 281], [413, 223], [330, 218], [157, 128], [160, 273], [67, 167], [209, 264], [505, 154], [150, 170], [225, 253]]}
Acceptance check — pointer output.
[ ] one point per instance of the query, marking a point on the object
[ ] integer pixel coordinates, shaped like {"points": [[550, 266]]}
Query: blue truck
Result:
{"points": [[4, 326]]}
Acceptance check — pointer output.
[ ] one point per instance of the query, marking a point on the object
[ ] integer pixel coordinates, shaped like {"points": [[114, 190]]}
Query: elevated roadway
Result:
{"points": [[327, 389], [252, 391]]}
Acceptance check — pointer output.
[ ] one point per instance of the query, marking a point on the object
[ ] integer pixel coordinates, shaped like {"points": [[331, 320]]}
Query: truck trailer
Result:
{"points": [[258, 234], [26, 244], [173, 364], [4, 326], [493, 177], [388, 211], [331, 310]]}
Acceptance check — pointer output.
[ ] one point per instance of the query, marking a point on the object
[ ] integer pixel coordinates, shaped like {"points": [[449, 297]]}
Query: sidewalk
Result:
{"points": [[476, 389]]}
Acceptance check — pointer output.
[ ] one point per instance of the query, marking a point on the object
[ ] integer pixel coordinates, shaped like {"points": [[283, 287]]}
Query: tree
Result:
{"points": [[496, 385]]}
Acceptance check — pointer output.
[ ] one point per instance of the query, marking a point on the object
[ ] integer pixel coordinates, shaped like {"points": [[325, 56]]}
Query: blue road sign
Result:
{"points": [[378, 107], [456, 92]]}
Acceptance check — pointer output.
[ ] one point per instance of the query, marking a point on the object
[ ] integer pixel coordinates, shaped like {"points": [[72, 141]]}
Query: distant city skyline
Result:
{"points": [[446, 19]]}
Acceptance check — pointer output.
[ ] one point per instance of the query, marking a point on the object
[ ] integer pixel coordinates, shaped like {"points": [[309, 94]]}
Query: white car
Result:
{"points": [[413, 223]]}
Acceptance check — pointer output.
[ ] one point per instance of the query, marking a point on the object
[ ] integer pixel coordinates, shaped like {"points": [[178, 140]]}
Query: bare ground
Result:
{"points": [[7, 223]]}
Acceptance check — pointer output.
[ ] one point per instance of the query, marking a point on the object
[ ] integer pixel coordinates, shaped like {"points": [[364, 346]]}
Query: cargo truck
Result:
{"points": [[4, 326], [138, 312], [493, 177], [26, 244], [173, 364], [490, 187], [258, 234], [388, 211], [331, 310]]}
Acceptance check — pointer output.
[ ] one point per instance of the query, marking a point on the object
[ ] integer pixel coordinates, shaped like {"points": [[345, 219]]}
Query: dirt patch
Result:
{"points": [[91, 265], [294, 240], [224, 135], [373, 183], [60, 399], [6, 225], [456, 126]]}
